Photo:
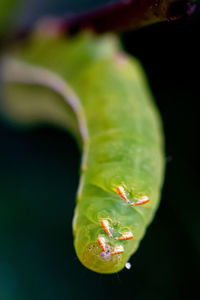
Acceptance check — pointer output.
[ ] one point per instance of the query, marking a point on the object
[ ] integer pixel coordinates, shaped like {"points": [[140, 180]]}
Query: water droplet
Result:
{"points": [[128, 265]]}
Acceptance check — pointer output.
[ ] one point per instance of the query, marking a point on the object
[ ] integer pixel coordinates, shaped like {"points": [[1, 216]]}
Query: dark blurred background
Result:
{"points": [[39, 173]]}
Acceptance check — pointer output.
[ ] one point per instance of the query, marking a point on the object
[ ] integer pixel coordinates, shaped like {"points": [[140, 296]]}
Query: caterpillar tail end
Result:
{"points": [[99, 253], [106, 262]]}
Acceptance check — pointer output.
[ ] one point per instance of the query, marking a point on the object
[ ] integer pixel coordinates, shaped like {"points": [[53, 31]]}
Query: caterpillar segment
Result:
{"points": [[102, 241]]}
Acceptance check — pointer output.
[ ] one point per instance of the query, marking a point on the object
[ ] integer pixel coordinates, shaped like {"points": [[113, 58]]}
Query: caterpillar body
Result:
{"points": [[90, 86]]}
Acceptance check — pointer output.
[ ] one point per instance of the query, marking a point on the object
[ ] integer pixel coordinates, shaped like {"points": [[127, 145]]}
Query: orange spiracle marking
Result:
{"points": [[117, 250], [141, 200], [120, 190], [125, 236], [102, 243], [105, 224]]}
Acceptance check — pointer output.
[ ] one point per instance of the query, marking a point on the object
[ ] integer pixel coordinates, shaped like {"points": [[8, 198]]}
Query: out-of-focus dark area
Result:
{"points": [[39, 177]]}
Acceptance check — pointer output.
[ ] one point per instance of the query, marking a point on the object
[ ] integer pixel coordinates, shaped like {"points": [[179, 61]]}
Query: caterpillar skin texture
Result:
{"points": [[90, 86]]}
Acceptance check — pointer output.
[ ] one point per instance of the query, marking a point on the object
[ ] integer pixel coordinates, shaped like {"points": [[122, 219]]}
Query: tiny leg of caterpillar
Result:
{"points": [[125, 236], [105, 224], [120, 190], [140, 201], [117, 250], [102, 243]]}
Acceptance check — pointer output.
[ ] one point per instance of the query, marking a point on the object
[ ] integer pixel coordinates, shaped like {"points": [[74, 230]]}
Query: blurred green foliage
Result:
{"points": [[8, 10]]}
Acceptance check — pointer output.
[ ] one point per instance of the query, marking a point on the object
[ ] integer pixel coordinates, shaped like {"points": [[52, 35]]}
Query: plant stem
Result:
{"points": [[119, 16]]}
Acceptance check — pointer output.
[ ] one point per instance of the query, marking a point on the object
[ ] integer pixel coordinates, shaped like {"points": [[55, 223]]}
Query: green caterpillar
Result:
{"points": [[90, 86]]}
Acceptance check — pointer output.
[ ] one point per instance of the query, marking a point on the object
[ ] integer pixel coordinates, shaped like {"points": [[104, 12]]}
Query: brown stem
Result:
{"points": [[120, 16], [128, 15]]}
